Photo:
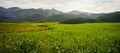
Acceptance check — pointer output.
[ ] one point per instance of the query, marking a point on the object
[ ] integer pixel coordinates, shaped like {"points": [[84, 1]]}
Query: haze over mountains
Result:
{"points": [[39, 15], [18, 14]]}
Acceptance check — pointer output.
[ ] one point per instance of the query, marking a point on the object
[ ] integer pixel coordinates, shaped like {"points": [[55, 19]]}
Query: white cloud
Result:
{"points": [[97, 6]]}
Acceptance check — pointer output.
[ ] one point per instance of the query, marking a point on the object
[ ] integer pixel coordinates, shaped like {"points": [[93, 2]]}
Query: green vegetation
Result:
{"points": [[22, 27], [67, 36], [59, 38], [111, 17], [79, 20]]}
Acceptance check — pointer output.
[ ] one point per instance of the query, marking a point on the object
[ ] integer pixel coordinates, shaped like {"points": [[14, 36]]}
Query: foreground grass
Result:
{"points": [[61, 38]]}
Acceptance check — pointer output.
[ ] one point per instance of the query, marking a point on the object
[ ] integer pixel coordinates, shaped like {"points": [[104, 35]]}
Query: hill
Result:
{"points": [[111, 17], [38, 15]]}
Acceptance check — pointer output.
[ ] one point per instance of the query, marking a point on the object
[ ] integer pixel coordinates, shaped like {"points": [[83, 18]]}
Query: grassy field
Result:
{"points": [[59, 38]]}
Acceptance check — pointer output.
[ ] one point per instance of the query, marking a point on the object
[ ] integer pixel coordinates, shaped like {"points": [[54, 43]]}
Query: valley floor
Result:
{"points": [[59, 38]]}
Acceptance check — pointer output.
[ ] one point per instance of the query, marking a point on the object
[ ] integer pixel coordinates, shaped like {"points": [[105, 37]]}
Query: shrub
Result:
{"points": [[79, 20]]}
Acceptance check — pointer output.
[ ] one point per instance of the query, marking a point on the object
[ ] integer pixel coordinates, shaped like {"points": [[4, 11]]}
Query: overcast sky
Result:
{"points": [[94, 6]]}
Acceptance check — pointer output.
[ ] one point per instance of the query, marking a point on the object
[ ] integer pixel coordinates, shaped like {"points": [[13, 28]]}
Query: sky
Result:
{"points": [[94, 6]]}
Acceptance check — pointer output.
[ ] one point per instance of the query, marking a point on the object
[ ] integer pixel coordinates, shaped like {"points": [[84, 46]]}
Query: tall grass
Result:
{"points": [[62, 38]]}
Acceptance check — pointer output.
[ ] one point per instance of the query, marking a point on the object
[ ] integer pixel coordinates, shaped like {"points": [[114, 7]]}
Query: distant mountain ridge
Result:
{"points": [[19, 14], [111, 17]]}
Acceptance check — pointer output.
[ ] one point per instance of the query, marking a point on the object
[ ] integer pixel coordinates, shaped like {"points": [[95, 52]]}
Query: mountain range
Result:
{"points": [[19, 14], [40, 15]]}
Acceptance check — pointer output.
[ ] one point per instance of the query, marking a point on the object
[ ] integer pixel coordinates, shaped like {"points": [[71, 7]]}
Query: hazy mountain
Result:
{"points": [[85, 14], [19, 14], [2, 14], [2, 9], [13, 9], [111, 17]]}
